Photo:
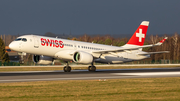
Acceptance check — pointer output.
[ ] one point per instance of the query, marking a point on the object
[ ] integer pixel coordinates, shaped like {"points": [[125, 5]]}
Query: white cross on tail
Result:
{"points": [[140, 35]]}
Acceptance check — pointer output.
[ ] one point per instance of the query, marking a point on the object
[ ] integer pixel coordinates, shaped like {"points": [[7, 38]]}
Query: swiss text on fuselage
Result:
{"points": [[52, 43]]}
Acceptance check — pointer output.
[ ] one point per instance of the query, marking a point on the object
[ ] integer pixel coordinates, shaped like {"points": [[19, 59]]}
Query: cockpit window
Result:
{"points": [[21, 39], [18, 39], [24, 39]]}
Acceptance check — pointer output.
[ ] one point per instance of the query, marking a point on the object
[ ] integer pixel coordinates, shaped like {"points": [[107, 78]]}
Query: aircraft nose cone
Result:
{"points": [[12, 46]]}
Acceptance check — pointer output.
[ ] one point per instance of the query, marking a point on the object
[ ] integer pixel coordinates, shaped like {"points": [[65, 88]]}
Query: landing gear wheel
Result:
{"points": [[92, 68], [67, 69]]}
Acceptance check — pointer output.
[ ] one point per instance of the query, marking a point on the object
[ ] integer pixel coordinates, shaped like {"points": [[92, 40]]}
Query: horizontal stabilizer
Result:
{"points": [[149, 53]]}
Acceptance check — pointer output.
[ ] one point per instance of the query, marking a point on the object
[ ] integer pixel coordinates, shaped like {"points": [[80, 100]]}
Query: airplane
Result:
{"points": [[46, 49]]}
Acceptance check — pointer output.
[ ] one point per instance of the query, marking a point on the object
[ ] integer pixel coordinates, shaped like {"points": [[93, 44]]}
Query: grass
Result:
{"points": [[83, 90], [74, 68]]}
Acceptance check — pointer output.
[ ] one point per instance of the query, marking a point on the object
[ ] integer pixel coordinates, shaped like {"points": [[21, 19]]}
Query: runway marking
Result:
{"points": [[51, 79], [86, 77], [32, 71], [83, 70], [149, 74]]}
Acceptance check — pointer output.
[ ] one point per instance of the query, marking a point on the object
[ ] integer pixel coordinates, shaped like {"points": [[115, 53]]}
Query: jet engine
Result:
{"points": [[82, 57], [44, 60]]}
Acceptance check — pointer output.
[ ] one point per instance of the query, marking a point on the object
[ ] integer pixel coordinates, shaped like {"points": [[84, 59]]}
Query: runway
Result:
{"points": [[102, 74]]}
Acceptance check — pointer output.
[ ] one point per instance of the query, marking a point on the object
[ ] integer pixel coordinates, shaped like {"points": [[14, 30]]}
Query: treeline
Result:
{"points": [[8, 38], [172, 44], [4, 57]]}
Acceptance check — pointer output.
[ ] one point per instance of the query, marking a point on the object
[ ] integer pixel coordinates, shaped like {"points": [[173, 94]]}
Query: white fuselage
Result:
{"points": [[63, 49]]}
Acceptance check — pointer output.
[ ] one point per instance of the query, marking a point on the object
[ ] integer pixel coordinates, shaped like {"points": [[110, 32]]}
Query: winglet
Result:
{"points": [[161, 42]]}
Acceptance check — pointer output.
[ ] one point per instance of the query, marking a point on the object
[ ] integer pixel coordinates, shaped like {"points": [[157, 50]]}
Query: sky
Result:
{"points": [[113, 17]]}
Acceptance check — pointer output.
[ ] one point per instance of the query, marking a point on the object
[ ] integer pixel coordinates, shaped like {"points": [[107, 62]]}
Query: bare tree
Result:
{"points": [[176, 47], [153, 39], [85, 38]]}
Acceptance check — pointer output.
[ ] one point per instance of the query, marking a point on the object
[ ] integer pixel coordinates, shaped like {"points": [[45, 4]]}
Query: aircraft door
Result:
{"points": [[36, 42], [75, 46], [20, 45]]}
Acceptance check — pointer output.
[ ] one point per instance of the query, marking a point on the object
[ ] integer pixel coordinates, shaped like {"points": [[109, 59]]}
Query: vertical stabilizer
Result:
{"points": [[139, 35]]}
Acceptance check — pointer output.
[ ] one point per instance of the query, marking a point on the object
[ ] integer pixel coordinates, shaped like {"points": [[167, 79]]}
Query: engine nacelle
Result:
{"points": [[44, 60], [82, 57]]}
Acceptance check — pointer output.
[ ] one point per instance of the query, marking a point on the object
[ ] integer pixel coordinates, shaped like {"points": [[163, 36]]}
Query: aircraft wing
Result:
{"points": [[129, 48], [148, 53]]}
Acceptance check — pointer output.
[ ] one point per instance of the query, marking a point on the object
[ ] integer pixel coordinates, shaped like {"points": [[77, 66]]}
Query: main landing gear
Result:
{"points": [[67, 68], [92, 68]]}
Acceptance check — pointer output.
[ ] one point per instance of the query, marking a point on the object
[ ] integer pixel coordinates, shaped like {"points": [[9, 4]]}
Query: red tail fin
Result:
{"points": [[139, 35]]}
